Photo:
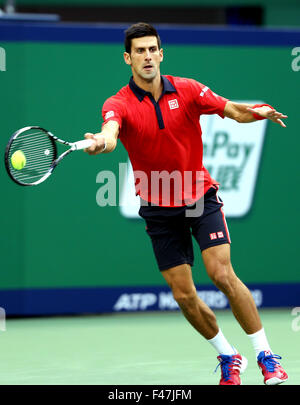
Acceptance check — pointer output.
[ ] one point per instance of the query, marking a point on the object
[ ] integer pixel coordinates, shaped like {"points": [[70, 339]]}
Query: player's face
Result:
{"points": [[144, 58]]}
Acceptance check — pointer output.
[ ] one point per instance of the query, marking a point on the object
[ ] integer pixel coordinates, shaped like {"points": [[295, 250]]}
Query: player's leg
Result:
{"points": [[200, 316], [212, 234], [218, 265], [219, 268]]}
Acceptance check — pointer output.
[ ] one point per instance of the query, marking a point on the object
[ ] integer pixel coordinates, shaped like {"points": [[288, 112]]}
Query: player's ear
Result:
{"points": [[161, 52], [127, 58]]}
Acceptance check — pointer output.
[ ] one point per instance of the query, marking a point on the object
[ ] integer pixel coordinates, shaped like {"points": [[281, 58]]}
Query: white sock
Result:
{"points": [[220, 343], [259, 341]]}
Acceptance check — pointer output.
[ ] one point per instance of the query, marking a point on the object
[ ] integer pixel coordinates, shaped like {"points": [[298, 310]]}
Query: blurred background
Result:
{"points": [[61, 253], [217, 12]]}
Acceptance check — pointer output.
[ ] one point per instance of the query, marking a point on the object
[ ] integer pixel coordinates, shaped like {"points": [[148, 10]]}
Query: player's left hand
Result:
{"points": [[269, 113]]}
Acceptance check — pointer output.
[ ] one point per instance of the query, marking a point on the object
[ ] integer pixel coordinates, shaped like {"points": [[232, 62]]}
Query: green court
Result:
{"points": [[134, 349]]}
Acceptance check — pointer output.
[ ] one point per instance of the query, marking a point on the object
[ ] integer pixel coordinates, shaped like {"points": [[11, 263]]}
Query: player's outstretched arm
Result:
{"points": [[105, 141], [244, 113]]}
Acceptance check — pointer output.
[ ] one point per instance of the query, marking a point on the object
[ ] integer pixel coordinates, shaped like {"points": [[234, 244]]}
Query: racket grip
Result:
{"points": [[86, 143]]}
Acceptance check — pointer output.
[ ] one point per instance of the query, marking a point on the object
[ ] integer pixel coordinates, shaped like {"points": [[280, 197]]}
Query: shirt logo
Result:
{"points": [[109, 114], [204, 90], [173, 104]]}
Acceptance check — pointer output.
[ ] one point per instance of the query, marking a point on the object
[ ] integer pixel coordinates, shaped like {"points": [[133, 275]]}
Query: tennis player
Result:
{"points": [[157, 119]]}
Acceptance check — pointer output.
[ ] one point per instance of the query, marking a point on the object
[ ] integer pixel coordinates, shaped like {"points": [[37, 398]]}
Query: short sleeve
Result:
{"points": [[113, 110], [206, 101]]}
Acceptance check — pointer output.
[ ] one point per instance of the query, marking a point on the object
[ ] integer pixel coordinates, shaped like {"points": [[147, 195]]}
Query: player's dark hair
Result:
{"points": [[139, 30]]}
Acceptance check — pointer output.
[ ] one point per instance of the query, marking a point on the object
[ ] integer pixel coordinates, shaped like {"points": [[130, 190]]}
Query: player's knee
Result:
{"points": [[185, 298], [223, 277]]}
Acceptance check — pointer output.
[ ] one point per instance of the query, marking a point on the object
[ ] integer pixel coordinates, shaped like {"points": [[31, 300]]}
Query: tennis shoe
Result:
{"points": [[271, 369], [231, 368]]}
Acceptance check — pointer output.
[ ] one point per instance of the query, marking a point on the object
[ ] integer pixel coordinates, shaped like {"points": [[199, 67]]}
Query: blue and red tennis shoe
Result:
{"points": [[231, 368], [271, 369]]}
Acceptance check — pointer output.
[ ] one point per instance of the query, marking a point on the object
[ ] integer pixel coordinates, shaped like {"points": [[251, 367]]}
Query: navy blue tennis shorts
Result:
{"points": [[171, 230]]}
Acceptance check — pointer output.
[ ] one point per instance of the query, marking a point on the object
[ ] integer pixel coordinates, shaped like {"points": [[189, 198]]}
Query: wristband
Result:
{"points": [[259, 117]]}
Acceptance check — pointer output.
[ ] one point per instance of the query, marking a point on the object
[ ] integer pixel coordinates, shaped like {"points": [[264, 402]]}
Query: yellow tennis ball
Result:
{"points": [[18, 160]]}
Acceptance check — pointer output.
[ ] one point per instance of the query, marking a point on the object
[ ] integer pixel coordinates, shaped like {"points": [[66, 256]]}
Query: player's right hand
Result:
{"points": [[98, 146]]}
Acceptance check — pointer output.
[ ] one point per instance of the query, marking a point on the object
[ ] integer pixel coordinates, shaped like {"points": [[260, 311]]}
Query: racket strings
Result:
{"points": [[39, 151]]}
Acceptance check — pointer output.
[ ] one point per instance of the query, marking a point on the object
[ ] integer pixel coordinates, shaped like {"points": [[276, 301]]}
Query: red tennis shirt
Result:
{"points": [[164, 138]]}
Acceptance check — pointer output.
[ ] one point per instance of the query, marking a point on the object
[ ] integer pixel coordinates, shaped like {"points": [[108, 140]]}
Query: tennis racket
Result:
{"points": [[39, 156]]}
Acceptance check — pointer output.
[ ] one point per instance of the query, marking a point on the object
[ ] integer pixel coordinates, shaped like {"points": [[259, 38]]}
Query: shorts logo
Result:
{"points": [[109, 114], [216, 235], [173, 104]]}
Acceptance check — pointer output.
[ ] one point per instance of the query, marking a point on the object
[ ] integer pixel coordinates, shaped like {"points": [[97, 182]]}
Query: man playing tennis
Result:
{"points": [[157, 119]]}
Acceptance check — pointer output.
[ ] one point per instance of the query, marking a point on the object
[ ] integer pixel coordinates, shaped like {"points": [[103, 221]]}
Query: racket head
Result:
{"points": [[40, 151]]}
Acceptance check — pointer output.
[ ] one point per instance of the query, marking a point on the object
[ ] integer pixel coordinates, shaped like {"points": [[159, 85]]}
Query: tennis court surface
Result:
{"points": [[133, 349]]}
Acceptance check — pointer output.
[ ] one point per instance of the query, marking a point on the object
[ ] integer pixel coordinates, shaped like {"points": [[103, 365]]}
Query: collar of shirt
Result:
{"points": [[140, 93]]}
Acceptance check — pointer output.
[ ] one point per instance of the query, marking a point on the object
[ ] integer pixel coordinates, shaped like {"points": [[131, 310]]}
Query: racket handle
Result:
{"points": [[86, 143]]}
